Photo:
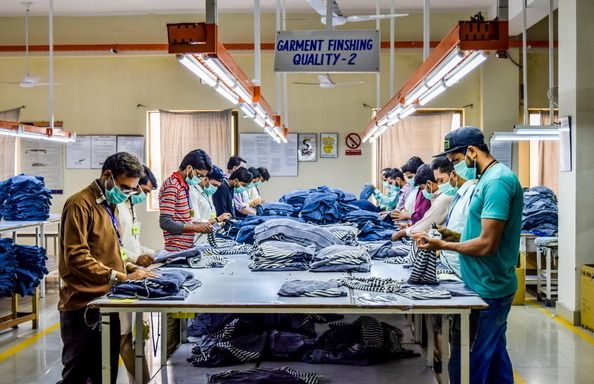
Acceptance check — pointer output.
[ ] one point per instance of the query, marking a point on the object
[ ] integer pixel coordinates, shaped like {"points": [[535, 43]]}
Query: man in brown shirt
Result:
{"points": [[91, 261]]}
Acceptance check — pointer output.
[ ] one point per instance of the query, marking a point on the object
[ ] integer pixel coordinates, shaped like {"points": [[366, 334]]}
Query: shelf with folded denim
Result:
{"points": [[170, 284], [540, 214], [7, 268], [24, 198], [22, 268]]}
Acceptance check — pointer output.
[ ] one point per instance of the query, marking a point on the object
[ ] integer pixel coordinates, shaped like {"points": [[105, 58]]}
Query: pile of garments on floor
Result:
{"points": [[282, 375], [22, 267], [230, 339], [540, 214], [24, 198], [169, 284], [322, 205]]}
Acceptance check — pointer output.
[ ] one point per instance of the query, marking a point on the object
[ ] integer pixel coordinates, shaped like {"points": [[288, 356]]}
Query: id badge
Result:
{"points": [[213, 215], [123, 254], [192, 213], [135, 230]]}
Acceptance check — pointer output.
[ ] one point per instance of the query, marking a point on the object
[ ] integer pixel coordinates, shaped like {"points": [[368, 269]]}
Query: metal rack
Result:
{"points": [[17, 317], [547, 277]]}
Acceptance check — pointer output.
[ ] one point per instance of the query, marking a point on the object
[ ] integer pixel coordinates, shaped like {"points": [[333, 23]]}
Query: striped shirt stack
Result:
{"points": [[174, 202]]}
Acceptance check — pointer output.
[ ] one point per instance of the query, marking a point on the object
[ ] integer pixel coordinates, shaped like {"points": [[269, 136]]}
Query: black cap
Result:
{"points": [[462, 138], [216, 173]]}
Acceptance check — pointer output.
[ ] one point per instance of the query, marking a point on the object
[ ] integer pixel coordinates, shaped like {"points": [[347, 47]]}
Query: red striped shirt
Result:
{"points": [[174, 201]]}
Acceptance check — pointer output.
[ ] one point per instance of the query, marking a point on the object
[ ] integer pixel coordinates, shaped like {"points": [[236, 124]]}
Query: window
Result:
{"points": [[171, 135], [418, 135]]}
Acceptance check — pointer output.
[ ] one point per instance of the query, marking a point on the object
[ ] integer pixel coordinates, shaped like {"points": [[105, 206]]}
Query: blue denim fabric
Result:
{"points": [[168, 284], [489, 360], [242, 231], [372, 231], [540, 214], [366, 192], [7, 267], [295, 232], [274, 209], [361, 218], [365, 205], [24, 198], [30, 268], [322, 205]]}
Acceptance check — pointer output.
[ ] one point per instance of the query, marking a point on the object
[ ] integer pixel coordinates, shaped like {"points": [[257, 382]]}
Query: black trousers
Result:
{"points": [[81, 355]]}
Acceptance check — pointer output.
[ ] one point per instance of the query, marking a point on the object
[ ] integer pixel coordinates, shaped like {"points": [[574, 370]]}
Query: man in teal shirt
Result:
{"points": [[488, 247]]}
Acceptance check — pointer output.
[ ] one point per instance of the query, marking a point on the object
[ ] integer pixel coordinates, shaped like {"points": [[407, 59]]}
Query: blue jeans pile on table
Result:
{"points": [[242, 231], [281, 256], [295, 232], [274, 209], [30, 268], [25, 198], [223, 340], [322, 205], [540, 214], [170, 284], [7, 268]]}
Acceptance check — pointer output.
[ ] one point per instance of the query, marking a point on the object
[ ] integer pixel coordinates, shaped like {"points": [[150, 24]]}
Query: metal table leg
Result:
{"points": [[445, 349], [163, 338], [40, 242], [549, 276], [417, 324], [139, 349], [105, 348], [430, 340], [465, 346]]}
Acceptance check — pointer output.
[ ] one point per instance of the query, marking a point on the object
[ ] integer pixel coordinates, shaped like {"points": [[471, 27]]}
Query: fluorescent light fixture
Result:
{"points": [[383, 120], [536, 130], [20, 133], [242, 92], [380, 132], [408, 111], [416, 92], [260, 111], [474, 60], [198, 69], [219, 69], [248, 111], [269, 131], [445, 67], [510, 136], [394, 112], [277, 139], [269, 122], [371, 133], [226, 93], [260, 121], [437, 90], [8, 132]]}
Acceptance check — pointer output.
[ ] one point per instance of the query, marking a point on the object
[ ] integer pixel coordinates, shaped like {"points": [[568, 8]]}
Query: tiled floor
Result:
{"points": [[543, 351]]}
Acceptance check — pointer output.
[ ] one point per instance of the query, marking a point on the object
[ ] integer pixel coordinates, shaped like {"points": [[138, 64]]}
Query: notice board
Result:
{"points": [[259, 150]]}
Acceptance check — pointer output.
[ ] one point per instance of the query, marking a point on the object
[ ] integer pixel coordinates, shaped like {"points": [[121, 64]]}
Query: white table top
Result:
{"points": [[236, 288], [16, 225]]}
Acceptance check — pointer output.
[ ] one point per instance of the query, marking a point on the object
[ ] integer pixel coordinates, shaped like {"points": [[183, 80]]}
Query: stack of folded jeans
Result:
{"points": [[7, 267], [282, 375], [341, 258], [321, 208], [540, 214], [365, 205], [295, 232], [274, 209], [26, 199], [30, 268], [372, 231], [295, 199], [361, 218], [170, 284], [281, 256]]}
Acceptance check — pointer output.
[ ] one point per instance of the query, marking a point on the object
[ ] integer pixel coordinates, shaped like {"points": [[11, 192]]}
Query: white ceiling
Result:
{"points": [[140, 7]]}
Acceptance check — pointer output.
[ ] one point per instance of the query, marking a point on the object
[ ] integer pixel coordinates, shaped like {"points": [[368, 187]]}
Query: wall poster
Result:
{"points": [[328, 145], [308, 147]]}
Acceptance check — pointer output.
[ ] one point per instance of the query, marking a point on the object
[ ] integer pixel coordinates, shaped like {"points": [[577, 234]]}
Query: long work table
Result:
{"points": [[236, 289]]}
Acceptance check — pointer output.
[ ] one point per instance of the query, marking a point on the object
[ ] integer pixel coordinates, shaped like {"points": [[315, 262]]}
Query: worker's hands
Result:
{"points": [[145, 260], [140, 274], [402, 226], [448, 234], [400, 215], [224, 217], [424, 242], [398, 235], [201, 228], [383, 214], [256, 202]]}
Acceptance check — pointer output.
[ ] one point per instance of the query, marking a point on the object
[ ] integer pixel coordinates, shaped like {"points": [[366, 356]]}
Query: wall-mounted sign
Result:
{"points": [[353, 144], [307, 147], [328, 145], [327, 51], [565, 144]]}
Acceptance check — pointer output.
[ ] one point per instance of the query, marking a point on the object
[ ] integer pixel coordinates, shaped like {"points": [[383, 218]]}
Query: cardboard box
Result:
{"points": [[587, 285], [520, 296]]}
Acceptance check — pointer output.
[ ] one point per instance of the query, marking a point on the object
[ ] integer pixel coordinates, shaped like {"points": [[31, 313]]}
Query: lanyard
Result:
{"points": [[114, 221]]}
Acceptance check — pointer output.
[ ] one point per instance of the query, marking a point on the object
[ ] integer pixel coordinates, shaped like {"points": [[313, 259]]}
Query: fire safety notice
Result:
{"points": [[327, 51]]}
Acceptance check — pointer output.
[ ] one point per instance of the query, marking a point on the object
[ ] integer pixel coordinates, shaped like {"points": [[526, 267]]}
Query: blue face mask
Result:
{"points": [[258, 183], [447, 189], [193, 181], [386, 184], [209, 190], [410, 181], [428, 195], [395, 188], [115, 195], [464, 172], [250, 185], [240, 189], [138, 198]]}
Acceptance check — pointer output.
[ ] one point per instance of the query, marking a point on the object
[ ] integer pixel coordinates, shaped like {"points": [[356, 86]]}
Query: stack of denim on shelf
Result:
{"points": [[7, 267], [365, 341], [274, 209], [312, 288], [30, 268], [341, 258], [295, 232], [282, 375], [540, 214], [25, 199], [170, 284], [281, 256]]}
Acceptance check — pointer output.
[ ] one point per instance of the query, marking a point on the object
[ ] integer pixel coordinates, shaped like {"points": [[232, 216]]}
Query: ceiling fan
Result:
{"points": [[327, 82], [28, 81], [339, 19]]}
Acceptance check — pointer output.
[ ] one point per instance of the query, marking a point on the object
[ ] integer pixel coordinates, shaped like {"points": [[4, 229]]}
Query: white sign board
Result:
{"points": [[327, 51], [259, 150], [502, 151], [78, 154], [133, 145], [565, 144], [101, 148], [44, 158]]}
